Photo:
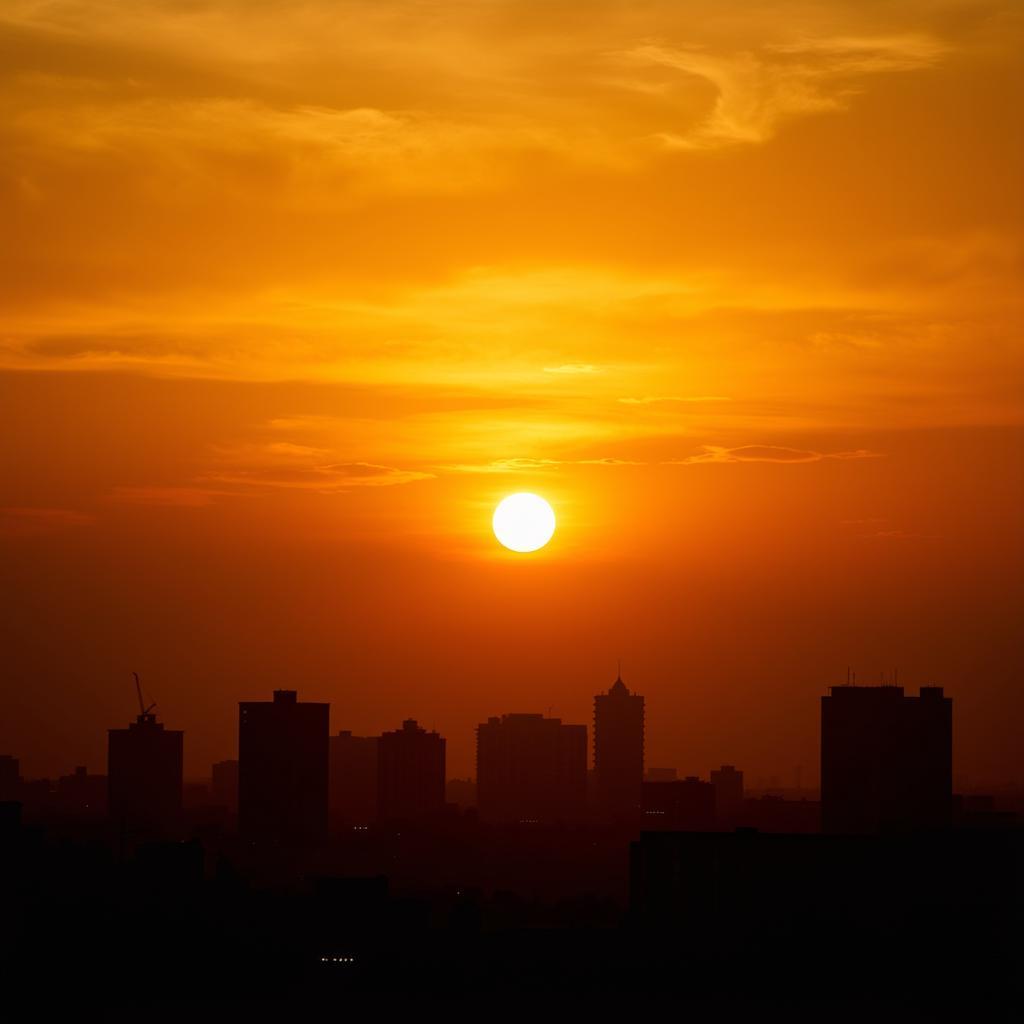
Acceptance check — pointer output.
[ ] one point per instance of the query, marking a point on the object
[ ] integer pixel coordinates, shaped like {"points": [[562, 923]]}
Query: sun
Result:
{"points": [[523, 522]]}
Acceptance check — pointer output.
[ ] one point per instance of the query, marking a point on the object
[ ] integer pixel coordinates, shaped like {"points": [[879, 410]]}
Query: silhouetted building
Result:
{"points": [[833, 894], [144, 777], [224, 785], [728, 783], [81, 796], [531, 769], [886, 759], [684, 805], [410, 774], [10, 777], [353, 785], [619, 752], [661, 775], [770, 813], [282, 769]]}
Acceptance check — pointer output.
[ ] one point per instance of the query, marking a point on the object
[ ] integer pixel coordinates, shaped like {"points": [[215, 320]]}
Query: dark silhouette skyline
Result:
{"points": [[347, 871]]}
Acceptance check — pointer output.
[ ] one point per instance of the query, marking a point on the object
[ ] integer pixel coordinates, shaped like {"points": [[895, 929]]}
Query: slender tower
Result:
{"points": [[619, 752]]}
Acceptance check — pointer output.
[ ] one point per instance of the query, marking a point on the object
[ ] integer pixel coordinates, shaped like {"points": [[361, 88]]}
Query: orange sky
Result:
{"points": [[294, 293]]}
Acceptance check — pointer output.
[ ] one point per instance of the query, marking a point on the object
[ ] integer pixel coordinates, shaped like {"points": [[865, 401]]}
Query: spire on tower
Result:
{"points": [[618, 686]]}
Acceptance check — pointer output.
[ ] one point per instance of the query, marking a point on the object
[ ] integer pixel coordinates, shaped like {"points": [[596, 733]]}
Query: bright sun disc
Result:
{"points": [[523, 522]]}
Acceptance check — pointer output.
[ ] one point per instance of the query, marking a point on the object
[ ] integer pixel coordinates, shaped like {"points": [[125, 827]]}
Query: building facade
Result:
{"points": [[410, 774], [282, 770], [531, 769], [144, 777], [886, 759], [619, 752]]}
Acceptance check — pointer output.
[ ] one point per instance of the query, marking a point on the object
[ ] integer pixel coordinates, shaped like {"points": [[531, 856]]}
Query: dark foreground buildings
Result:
{"points": [[455, 907], [282, 770], [886, 759], [619, 752], [144, 778]]}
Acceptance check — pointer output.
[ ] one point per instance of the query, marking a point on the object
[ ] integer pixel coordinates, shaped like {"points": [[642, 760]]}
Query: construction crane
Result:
{"points": [[143, 710]]}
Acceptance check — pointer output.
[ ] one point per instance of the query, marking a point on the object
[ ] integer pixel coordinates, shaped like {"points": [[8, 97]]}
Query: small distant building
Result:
{"points": [[81, 796], [728, 785], [619, 752], [282, 770], [353, 779], [144, 778], [410, 774], [531, 769], [684, 805]]}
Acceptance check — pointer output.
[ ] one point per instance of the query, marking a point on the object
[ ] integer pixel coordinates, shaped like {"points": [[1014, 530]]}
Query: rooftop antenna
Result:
{"points": [[143, 710]]}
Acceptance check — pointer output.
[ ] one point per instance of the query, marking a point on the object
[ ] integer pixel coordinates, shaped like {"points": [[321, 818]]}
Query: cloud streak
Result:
{"points": [[717, 454], [533, 465], [757, 92]]}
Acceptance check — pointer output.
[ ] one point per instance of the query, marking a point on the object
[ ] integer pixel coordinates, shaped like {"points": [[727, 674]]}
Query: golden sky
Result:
{"points": [[294, 293]]}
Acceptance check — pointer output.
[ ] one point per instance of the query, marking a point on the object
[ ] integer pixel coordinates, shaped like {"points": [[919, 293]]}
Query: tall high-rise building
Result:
{"points": [[619, 752], [886, 759], [353, 785], [282, 769], [144, 773], [728, 783], [531, 769], [410, 774]]}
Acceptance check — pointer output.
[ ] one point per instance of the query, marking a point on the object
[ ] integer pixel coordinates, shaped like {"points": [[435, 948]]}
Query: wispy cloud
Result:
{"points": [[326, 479], [766, 453], [756, 92], [28, 521], [656, 399], [573, 368], [169, 497], [525, 465]]}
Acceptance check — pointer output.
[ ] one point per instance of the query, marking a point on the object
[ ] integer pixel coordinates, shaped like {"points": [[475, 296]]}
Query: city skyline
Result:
{"points": [[800, 776], [349, 752]]}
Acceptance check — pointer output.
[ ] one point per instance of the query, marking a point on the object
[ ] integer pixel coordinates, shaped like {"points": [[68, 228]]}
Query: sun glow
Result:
{"points": [[523, 522]]}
